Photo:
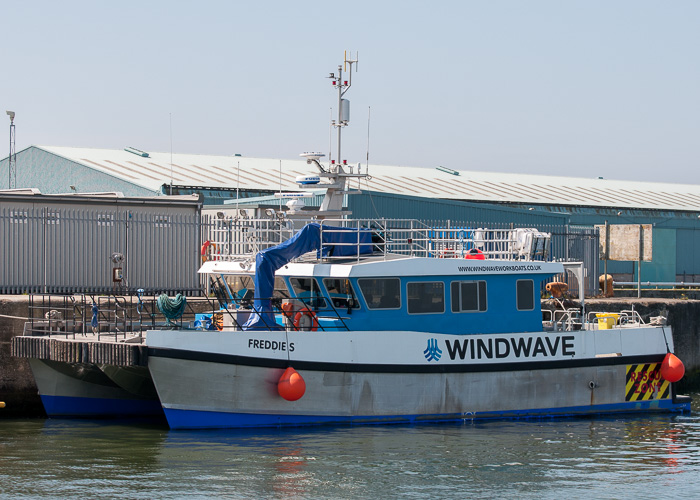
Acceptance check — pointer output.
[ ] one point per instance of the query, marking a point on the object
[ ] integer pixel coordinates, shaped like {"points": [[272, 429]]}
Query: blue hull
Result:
{"points": [[193, 419], [65, 406]]}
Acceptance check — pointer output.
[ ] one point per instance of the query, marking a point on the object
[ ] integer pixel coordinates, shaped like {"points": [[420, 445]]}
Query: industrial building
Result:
{"points": [[98, 243], [438, 194]]}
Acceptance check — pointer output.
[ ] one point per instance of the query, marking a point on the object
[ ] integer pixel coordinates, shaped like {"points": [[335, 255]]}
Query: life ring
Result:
{"points": [[475, 253], [306, 312], [208, 249]]}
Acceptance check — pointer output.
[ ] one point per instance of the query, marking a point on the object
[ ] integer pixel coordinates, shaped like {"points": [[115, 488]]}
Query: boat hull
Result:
{"points": [[201, 386], [85, 391]]}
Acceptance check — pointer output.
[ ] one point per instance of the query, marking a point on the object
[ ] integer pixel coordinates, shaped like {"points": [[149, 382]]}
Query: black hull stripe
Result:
{"points": [[466, 367]]}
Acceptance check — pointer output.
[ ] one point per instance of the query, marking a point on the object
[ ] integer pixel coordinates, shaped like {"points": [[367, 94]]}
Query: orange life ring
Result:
{"points": [[208, 248], [308, 312]]}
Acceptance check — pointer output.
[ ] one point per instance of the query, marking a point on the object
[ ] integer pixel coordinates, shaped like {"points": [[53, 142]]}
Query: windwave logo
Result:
{"points": [[432, 352]]}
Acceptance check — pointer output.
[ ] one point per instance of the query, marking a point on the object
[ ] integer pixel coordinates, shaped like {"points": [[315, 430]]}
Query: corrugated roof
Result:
{"points": [[264, 174]]}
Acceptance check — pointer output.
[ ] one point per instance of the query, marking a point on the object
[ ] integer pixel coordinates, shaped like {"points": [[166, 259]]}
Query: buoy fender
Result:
{"points": [[672, 368], [291, 385]]}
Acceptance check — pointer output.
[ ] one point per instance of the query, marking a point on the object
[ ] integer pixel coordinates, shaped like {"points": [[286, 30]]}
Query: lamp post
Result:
{"points": [[12, 159]]}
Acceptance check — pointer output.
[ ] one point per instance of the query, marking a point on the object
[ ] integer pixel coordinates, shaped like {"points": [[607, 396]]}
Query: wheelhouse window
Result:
{"points": [[240, 289], [341, 293], [308, 291], [381, 293], [525, 295], [468, 296], [426, 297]]}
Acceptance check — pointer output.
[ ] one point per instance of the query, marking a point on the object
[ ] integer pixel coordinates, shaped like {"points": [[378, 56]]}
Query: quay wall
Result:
{"points": [[18, 389]]}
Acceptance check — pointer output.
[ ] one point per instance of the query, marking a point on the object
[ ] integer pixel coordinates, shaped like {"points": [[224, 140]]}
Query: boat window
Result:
{"points": [[308, 291], [426, 297], [468, 296], [525, 295], [239, 289], [381, 293], [341, 293]]}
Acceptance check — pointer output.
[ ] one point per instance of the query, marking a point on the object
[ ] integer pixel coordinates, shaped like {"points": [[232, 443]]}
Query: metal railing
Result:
{"points": [[113, 317], [414, 238], [233, 238]]}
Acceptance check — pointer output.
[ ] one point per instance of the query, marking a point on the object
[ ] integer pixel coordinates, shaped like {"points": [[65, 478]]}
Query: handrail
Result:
{"points": [[118, 315], [569, 319], [234, 239], [414, 238], [331, 310]]}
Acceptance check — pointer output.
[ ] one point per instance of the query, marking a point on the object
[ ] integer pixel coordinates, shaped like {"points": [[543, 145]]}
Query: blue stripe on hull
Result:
{"points": [[194, 419], [66, 406]]}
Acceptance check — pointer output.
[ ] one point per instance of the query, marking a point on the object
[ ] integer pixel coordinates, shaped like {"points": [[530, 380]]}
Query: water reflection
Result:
{"points": [[603, 457]]}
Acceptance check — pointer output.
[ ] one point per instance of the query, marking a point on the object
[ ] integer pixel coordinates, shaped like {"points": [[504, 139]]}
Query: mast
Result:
{"points": [[342, 87], [332, 204]]}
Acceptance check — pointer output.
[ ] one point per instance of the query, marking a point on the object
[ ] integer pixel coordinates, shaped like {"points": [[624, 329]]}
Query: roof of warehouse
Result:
{"points": [[266, 174]]}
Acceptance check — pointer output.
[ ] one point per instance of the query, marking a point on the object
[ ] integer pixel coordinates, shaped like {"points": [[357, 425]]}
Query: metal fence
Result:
{"points": [[68, 250]]}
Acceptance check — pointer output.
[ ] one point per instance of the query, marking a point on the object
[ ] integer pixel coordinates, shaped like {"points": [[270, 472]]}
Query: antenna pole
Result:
{"points": [[171, 153], [343, 111], [340, 110], [330, 138], [369, 117], [12, 159]]}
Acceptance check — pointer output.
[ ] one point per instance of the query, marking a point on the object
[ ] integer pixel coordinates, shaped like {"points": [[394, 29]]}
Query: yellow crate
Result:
{"points": [[606, 320]]}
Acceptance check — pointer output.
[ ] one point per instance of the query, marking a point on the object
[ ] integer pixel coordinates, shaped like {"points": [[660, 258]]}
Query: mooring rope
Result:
{"points": [[172, 309], [663, 330], [16, 317]]}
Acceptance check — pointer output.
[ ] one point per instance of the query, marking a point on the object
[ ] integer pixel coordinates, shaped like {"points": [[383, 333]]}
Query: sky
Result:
{"points": [[584, 88]]}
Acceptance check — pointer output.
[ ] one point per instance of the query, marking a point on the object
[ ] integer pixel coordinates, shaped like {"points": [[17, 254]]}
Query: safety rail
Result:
{"points": [[110, 316], [328, 319], [232, 239], [414, 238], [559, 320], [627, 317]]}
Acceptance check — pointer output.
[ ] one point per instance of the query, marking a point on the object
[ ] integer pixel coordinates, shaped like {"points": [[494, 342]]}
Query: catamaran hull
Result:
{"points": [[200, 389], [85, 391]]}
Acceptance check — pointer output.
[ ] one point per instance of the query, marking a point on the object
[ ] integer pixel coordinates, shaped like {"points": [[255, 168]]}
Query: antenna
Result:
{"points": [[369, 117], [12, 159], [171, 153], [330, 138]]}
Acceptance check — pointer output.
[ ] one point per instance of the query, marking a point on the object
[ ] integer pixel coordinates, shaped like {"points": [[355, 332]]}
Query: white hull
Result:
{"points": [[216, 379]]}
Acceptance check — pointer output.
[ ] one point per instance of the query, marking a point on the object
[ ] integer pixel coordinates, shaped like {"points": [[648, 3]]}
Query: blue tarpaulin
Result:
{"points": [[337, 242]]}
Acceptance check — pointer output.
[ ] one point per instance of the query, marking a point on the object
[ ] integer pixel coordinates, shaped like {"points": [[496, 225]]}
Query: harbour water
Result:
{"points": [[616, 457]]}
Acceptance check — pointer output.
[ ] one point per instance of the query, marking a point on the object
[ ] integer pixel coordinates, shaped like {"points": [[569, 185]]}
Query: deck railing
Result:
{"points": [[115, 317]]}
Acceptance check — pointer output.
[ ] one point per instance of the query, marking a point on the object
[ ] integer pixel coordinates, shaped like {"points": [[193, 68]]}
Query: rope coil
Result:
{"points": [[172, 309]]}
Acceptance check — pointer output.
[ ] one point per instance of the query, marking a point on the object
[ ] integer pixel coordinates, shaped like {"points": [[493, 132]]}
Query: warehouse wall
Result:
{"points": [[52, 174]]}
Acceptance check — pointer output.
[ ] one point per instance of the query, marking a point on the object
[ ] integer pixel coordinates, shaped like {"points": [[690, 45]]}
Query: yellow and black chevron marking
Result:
{"points": [[644, 382]]}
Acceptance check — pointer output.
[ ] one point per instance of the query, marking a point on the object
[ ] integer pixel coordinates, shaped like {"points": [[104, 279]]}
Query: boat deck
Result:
{"points": [[86, 349]]}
